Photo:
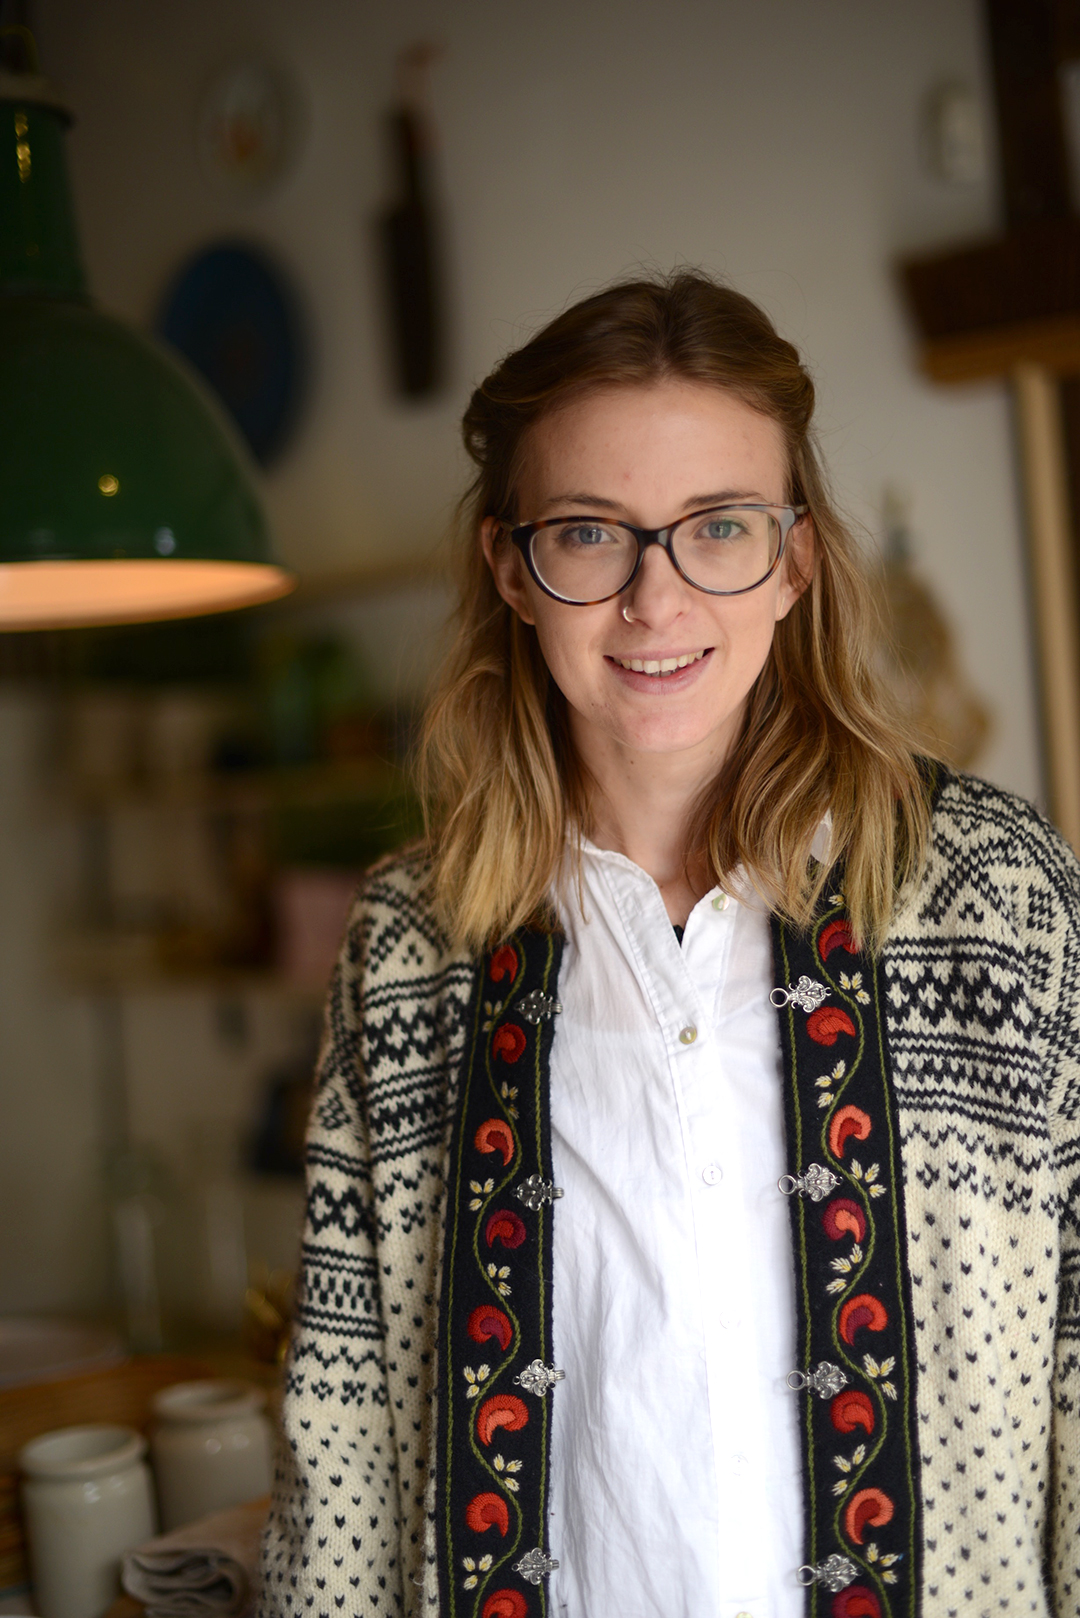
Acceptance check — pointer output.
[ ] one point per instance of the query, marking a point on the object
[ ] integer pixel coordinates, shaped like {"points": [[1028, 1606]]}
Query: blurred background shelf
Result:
{"points": [[201, 799], [357, 780]]}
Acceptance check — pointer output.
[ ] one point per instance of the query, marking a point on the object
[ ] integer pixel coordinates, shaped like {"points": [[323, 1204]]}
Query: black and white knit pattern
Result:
{"points": [[984, 1029], [346, 1531], [983, 972]]}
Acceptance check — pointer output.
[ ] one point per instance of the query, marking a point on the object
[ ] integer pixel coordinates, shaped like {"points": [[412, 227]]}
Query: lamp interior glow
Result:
{"points": [[60, 595]]}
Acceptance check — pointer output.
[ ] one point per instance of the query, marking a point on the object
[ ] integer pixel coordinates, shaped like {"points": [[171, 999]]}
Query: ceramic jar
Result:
{"points": [[211, 1448], [88, 1499]]}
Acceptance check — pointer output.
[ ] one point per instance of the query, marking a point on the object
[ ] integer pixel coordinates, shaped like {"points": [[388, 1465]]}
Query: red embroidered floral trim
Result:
{"points": [[492, 1444], [505, 1604], [859, 1446]]}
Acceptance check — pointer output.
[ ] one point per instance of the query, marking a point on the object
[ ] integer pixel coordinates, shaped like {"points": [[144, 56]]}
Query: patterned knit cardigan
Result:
{"points": [[981, 992]]}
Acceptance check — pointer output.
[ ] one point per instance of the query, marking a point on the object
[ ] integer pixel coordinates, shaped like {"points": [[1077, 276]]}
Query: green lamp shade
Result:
{"points": [[125, 495], [123, 492]]}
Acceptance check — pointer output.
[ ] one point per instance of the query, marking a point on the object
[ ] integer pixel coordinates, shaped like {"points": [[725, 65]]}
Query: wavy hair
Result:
{"points": [[497, 770]]}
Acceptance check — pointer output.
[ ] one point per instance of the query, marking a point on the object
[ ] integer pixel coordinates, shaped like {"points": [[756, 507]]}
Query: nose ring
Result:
{"points": [[626, 613]]}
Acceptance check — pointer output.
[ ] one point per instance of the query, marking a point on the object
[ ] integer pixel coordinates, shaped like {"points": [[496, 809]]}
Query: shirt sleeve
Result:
{"points": [[328, 1546]]}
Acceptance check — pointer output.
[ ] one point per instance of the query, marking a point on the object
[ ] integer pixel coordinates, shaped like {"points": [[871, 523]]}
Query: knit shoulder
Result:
{"points": [[992, 851], [990, 817], [392, 933]]}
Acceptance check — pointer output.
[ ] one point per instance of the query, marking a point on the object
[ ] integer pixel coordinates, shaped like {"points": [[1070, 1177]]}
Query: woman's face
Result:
{"points": [[647, 455]]}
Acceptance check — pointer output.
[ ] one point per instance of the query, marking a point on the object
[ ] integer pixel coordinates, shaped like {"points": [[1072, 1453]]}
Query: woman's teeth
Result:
{"points": [[663, 665]]}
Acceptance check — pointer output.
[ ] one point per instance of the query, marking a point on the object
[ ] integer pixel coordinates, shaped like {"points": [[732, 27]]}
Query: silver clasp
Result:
{"points": [[806, 994], [536, 1565], [826, 1381], [538, 1378], [835, 1574], [536, 1007], [815, 1182], [534, 1192]]}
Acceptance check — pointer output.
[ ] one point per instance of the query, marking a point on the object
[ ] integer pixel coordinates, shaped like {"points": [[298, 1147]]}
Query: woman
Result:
{"points": [[695, 1168]]}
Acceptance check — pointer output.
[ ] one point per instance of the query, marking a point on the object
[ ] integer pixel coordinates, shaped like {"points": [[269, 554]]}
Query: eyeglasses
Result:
{"points": [[724, 551]]}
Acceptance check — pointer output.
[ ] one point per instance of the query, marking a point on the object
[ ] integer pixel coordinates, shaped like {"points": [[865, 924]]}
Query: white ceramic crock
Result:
{"points": [[88, 1498], [211, 1448]]}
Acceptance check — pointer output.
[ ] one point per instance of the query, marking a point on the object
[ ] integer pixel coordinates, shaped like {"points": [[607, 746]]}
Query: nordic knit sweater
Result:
{"points": [[982, 975]]}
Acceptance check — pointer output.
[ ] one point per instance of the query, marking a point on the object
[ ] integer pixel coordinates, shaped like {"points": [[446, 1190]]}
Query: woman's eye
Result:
{"points": [[721, 528], [586, 536]]}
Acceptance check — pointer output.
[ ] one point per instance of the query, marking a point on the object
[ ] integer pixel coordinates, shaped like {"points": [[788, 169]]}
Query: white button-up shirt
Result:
{"points": [[675, 1468]]}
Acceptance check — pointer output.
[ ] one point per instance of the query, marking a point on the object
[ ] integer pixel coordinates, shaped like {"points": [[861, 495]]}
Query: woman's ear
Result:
{"points": [[799, 562], [507, 568]]}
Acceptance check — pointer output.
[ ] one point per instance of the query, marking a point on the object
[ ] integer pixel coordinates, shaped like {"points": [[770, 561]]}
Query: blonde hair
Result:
{"points": [[497, 771]]}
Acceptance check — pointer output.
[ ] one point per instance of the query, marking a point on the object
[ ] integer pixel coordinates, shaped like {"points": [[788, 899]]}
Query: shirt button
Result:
{"points": [[712, 1174], [721, 902], [688, 1034]]}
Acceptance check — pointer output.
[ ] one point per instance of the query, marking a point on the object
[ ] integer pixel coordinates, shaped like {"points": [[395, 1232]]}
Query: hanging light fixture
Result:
{"points": [[124, 493]]}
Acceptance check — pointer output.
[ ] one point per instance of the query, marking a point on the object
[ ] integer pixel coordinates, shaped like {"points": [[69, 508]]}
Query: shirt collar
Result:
{"points": [[820, 849]]}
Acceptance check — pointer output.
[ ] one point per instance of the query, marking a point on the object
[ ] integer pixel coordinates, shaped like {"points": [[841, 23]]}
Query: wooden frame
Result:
{"points": [[1036, 357], [1044, 460]]}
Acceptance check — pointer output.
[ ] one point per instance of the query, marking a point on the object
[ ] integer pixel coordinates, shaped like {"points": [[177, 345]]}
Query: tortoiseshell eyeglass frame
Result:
{"points": [[522, 535]]}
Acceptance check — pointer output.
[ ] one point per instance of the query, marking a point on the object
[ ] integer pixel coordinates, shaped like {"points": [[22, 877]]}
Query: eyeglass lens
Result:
{"points": [[726, 550]]}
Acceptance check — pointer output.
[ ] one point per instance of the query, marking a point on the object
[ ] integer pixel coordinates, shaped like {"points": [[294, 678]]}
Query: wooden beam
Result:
{"points": [[996, 352], [1032, 274], [1053, 587], [1068, 30], [1024, 36]]}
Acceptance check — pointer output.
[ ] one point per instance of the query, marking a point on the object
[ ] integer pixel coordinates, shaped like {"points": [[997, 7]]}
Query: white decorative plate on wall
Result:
{"points": [[249, 127]]}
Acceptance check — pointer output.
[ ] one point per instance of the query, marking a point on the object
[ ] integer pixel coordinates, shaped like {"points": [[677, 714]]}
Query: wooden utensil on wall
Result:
{"points": [[408, 239]]}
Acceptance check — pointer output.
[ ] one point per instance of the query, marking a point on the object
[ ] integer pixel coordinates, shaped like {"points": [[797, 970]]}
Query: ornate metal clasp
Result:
{"points": [[534, 1192], [834, 1574], [826, 1381], [538, 1378], [815, 1182], [806, 994], [535, 1007], [536, 1565]]}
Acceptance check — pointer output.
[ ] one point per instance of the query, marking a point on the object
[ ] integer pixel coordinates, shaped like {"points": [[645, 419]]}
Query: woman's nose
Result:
{"points": [[659, 592]]}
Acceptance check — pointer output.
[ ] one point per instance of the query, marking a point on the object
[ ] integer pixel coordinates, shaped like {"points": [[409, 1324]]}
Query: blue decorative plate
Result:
{"points": [[232, 313]]}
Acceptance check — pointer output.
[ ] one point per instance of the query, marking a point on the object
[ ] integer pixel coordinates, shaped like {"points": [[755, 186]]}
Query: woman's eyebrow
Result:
{"points": [[581, 499], [725, 497], [695, 502]]}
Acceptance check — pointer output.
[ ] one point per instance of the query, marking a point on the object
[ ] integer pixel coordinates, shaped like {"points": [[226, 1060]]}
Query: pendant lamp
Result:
{"points": [[125, 495]]}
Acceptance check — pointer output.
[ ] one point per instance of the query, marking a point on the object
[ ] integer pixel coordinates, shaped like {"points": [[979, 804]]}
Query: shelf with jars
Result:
{"points": [[223, 822], [209, 792]]}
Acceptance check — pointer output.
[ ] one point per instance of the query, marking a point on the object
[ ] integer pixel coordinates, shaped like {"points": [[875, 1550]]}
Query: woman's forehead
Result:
{"points": [[675, 439]]}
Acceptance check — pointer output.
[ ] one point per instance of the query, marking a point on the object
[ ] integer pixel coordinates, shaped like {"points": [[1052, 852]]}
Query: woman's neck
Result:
{"points": [[643, 808]]}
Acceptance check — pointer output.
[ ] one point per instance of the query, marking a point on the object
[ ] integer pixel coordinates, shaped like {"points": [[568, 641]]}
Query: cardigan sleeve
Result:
{"points": [[1059, 964], [330, 1546]]}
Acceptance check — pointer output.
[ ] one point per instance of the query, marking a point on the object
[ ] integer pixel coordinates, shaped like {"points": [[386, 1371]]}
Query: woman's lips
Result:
{"points": [[659, 665], [660, 674]]}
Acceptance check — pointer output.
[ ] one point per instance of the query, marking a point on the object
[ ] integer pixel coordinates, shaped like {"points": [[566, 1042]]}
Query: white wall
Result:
{"points": [[775, 141]]}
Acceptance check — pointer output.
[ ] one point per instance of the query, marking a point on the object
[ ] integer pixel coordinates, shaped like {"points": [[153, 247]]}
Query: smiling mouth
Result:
{"points": [[659, 666]]}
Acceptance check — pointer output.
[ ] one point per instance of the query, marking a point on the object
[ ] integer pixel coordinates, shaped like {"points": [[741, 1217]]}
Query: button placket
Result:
{"points": [[703, 1087]]}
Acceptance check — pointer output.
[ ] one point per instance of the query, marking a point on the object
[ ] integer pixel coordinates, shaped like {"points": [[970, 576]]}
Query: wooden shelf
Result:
{"points": [[356, 583]]}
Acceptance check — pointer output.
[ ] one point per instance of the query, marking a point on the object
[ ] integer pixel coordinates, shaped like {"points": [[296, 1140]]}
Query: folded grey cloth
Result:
{"points": [[204, 1570], [185, 1584]]}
